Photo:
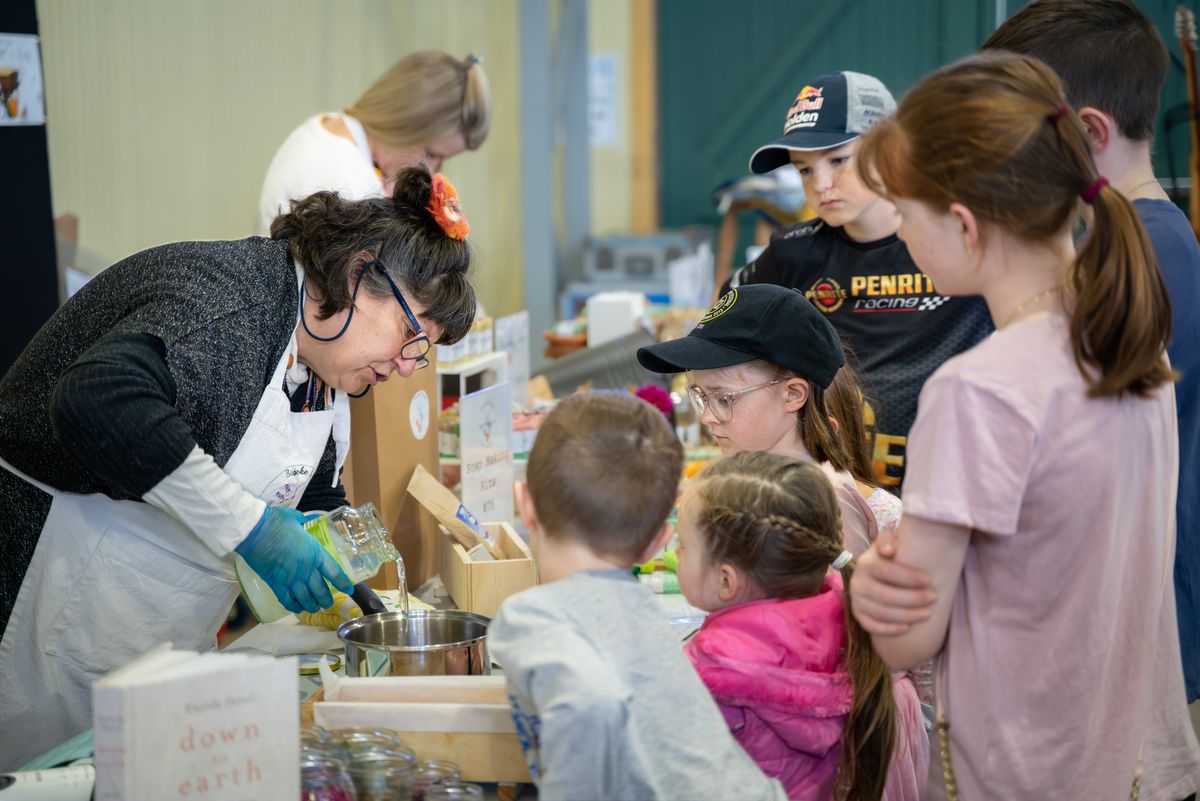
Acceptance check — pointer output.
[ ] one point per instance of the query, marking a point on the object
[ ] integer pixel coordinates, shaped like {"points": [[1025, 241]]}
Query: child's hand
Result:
{"points": [[887, 597], [886, 543]]}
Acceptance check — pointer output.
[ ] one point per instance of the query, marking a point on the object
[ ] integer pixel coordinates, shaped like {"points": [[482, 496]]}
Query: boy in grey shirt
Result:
{"points": [[605, 702]]}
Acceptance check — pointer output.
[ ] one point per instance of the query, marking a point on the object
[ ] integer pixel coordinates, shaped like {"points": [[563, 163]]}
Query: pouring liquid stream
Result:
{"points": [[357, 540]]}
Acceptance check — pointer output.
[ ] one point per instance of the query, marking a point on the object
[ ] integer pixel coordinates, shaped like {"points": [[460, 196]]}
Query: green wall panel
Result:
{"points": [[729, 70]]}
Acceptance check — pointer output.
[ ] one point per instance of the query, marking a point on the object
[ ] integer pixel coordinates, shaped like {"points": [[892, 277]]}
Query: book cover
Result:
{"points": [[182, 725]]}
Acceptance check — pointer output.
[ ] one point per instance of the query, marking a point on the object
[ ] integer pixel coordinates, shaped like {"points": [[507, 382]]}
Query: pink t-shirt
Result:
{"points": [[1062, 660], [859, 529]]}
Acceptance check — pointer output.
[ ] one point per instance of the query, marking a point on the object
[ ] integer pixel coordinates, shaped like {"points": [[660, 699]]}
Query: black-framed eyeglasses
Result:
{"points": [[720, 403], [416, 349]]}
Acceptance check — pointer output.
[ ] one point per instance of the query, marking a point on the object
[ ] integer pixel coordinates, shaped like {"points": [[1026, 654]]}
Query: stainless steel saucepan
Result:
{"points": [[420, 643]]}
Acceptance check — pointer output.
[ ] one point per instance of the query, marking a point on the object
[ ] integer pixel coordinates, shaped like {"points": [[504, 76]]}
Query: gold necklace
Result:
{"points": [[1034, 299], [1133, 191]]}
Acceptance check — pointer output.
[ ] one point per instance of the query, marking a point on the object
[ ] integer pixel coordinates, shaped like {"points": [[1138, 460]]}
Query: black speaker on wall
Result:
{"points": [[28, 271]]}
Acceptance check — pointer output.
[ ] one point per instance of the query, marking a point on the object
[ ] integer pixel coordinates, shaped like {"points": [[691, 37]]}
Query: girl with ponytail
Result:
{"points": [[1034, 554], [799, 684]]}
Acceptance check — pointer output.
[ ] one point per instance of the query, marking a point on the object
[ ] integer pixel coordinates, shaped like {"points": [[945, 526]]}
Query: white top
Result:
{"points": [[312, 159]]}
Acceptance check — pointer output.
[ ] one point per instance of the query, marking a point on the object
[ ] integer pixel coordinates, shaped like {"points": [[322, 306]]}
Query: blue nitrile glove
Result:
{"points": [[293, 564]]}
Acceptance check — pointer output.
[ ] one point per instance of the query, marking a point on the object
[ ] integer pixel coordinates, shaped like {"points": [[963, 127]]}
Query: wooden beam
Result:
{"points": [[643, 83]]}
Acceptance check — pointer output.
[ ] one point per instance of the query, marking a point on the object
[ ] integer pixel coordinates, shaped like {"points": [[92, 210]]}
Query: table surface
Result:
{"points": [[289, 636]]}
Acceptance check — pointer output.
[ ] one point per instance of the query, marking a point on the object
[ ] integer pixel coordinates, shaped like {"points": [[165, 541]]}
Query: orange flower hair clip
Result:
{"points": [[444, 206]]}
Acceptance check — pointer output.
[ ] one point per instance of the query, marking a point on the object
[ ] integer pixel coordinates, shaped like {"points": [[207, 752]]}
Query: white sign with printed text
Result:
{"points": [[604, 98], [512, 337], [485, 426]]}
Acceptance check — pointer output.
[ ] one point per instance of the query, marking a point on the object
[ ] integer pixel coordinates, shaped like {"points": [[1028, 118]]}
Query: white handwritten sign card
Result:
{"points": [[512, 337], [485, 428]]}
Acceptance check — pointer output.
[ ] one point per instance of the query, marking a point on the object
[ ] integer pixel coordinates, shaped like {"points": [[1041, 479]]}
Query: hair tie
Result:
{"points": [[843, 559], [1093, 189], [446, 211], [1061, 112], [464, 108]]}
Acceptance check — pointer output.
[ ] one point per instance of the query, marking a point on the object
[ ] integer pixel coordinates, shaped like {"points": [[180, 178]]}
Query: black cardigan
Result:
{"points": [[167, 349]]}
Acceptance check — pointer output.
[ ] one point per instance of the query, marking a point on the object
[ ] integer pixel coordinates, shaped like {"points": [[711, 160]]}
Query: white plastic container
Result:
{"points": [[612, 315]]}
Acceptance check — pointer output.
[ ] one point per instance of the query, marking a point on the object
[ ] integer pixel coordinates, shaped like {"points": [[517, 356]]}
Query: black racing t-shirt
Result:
{"points": [[885, 309]]}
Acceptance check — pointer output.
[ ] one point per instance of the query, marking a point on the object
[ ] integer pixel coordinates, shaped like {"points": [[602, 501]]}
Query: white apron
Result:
{"points": [[111, 579]]}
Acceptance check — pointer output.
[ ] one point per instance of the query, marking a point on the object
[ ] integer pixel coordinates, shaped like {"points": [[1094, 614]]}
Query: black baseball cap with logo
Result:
{"points": [[758, 321], [831, 111]]}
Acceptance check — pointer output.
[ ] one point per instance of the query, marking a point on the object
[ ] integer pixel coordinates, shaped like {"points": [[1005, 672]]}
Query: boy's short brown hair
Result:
{"points": [[1107, 52], [604, 471]]}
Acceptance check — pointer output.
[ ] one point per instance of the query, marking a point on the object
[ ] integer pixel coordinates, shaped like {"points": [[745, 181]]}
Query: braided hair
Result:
{"points": [[777, 519]]}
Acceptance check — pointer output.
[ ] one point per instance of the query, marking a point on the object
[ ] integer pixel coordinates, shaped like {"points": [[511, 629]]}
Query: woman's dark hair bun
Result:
{"points": [[413, 187], [334, 238]]}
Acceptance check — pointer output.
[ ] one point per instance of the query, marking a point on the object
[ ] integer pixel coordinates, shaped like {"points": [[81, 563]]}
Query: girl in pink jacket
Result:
{"points": [[796, 678]]}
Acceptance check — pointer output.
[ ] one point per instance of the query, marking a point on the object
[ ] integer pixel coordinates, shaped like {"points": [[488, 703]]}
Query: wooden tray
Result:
{"points": [[463, 719]]}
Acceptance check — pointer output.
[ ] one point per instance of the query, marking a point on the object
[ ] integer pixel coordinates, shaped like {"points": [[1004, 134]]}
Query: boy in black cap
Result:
{"points": [[759, 364], [851, 265]]}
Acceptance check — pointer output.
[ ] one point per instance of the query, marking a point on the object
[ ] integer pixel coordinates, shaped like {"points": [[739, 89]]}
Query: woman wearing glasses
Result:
{"points": [[177, 410], [759, 364], [428, 107]]}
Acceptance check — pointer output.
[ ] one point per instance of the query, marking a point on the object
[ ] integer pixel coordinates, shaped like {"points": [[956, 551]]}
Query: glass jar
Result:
{"points": [[360, 750], [323, 752], [319, 744], [379, 776], [360, 744], [316, 734], [431, 772], [324, 780], [352, 733], [354, 536], [453, 791]]}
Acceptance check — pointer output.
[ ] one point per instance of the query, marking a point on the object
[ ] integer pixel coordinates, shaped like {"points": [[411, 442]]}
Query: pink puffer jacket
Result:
{"points": [[777, 670]]}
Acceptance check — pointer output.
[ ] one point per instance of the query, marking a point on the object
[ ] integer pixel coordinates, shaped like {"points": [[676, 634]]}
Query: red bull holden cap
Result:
{"points": [[757, 321], [830, 111]]}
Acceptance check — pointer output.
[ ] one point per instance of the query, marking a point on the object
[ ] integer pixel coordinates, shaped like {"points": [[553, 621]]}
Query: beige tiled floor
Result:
{"points": [[1195, 710]]}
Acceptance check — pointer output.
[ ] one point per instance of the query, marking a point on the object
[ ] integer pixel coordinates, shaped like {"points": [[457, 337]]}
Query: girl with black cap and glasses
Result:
{"points": [[178, 410], [759, 363]]}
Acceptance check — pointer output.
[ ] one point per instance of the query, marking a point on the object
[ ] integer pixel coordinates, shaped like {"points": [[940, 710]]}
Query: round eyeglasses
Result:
{"points": [[417, 350], [720, 403]]}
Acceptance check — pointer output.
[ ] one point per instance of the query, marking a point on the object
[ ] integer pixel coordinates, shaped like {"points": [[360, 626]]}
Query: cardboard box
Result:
{"points": [[393, 430], [480, 587], [463, 719], [452, 516]]}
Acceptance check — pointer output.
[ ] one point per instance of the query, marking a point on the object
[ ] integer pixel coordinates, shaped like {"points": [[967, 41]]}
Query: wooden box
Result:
{"points": [[463, 719], [480, 587]]}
